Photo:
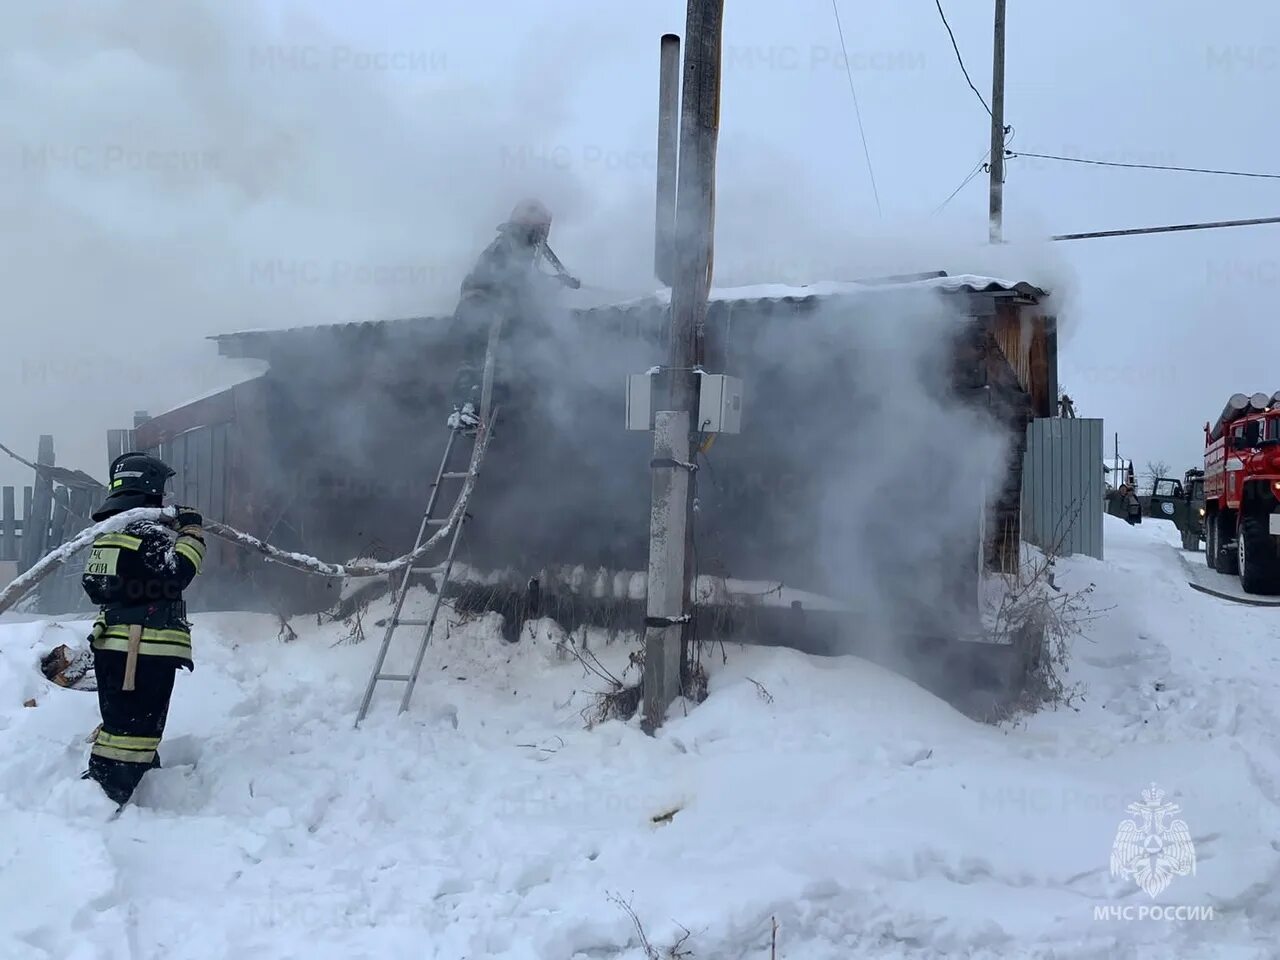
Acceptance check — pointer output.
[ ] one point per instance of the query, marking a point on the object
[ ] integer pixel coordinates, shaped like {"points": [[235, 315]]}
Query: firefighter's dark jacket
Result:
{"points": [[505, 275], [137, 577]]}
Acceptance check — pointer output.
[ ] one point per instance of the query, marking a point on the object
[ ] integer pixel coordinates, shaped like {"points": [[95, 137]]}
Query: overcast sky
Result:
{"points": [[182, 169]]}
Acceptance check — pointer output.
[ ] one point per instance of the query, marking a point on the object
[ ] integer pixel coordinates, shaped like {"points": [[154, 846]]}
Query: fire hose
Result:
{"points": [[562, 274], [26, 582]]}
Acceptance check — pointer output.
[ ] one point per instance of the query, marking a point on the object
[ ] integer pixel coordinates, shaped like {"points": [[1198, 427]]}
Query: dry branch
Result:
{"points": [[674, 952], [1032, 608], [765, 695], [287, 634]]}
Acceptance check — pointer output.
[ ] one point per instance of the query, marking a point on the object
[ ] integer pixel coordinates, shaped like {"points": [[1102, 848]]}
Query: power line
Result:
{"points": [[857, 112], [977, 168], [1146, 166], [1171, 229], [959, 58]]}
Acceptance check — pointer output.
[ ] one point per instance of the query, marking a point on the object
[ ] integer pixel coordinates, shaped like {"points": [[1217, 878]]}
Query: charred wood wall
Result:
{"points": [[986, 378], [338, 455]]}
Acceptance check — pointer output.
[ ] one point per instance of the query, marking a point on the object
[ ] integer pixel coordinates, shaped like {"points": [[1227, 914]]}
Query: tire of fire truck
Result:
{"points": [[1225, 559], [1190, 540], [1211, 541], [1259, 567]]}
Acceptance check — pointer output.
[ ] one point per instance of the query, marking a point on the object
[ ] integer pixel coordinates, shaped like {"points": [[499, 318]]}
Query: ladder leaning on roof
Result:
{"points": [[430, 520]]}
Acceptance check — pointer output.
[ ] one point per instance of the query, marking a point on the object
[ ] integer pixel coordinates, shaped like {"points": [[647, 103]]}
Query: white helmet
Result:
{"points": [[532, 214]]}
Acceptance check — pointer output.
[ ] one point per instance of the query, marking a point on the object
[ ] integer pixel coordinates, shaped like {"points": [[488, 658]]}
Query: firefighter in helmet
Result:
{"points": [[141, 636], [504, 283]]}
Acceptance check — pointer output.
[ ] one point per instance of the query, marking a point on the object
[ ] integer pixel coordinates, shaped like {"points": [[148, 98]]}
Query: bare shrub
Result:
{"points": [[355, 626], [674, 952], [287, 634], [619, 700], [1028, 612], [1025, 608]]}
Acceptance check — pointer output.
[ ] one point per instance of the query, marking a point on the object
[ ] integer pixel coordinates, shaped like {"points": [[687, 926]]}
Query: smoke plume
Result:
{"points": [[178, 171]]}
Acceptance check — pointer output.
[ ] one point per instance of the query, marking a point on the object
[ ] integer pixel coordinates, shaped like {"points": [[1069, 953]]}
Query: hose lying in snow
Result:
{"points": [[27, 582]]}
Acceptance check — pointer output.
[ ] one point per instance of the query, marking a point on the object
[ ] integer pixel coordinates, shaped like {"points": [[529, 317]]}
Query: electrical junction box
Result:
{"points": [[719, 402], [639, 407]]}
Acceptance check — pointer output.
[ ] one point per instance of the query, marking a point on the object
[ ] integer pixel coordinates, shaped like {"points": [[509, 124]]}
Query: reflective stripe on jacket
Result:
{"points": [[137, 576], [155, 642]]}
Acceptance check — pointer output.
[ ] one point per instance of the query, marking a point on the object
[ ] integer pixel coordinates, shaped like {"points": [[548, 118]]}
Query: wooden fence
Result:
{"points": [[11, 523], [55, 508]]}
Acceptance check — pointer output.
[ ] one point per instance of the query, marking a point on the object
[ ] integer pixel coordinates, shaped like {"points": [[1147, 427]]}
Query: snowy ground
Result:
{"points": [[864, 815]]}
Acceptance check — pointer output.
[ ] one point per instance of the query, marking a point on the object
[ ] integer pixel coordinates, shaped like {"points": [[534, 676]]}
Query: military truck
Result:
{"points": [[1181, 501]]}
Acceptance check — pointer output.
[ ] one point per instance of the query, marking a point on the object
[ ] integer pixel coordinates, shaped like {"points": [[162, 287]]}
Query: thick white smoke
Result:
{"points": [[199, 167], [176, 171], [905, 465]]}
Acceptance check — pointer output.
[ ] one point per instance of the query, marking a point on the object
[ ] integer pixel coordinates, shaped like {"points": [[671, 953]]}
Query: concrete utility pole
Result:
{"points": [[670, 572], [997, 130]]}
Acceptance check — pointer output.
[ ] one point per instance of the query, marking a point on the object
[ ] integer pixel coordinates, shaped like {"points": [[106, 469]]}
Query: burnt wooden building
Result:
{"points": [[333, 450]]}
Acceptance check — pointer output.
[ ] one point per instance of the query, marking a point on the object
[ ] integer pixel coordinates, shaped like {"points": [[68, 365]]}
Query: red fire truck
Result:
{"points": [[1242, 491]]}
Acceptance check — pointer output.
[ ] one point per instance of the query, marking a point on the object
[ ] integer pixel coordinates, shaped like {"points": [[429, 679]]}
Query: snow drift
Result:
{"points": [[865, 816]]}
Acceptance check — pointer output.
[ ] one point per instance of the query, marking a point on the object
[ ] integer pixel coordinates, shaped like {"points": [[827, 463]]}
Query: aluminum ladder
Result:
{"points": [[429, 521], [488, 417]]}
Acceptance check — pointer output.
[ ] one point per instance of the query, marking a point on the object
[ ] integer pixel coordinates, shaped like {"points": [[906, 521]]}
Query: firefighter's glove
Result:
{"points": [[190, 522]]}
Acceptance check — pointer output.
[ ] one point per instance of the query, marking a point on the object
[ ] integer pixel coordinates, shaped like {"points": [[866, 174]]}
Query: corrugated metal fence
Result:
{"points": [[1062, 489]]}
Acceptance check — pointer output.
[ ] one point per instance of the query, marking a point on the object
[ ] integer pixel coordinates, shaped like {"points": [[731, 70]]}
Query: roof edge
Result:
{"points": [[938, 280]]}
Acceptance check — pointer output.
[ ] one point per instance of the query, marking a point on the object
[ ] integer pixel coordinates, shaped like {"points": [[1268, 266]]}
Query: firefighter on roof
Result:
{"points": [[141, 635], [503, 283]]}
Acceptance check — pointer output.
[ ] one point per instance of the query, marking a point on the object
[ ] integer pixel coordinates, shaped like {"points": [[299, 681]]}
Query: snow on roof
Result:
{"points": [[964, 283], [250, 369], [757, 293], [351, 325]]}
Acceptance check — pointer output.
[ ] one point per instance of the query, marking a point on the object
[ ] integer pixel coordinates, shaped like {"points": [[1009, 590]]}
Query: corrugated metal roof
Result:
{"points": [[758, 294], [777, 292]]}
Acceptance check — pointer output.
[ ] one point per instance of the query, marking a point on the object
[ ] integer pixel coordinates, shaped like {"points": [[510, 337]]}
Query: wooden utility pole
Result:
{"points": [[670, 547], [997, 130], [668, 147], [695, 197]]}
